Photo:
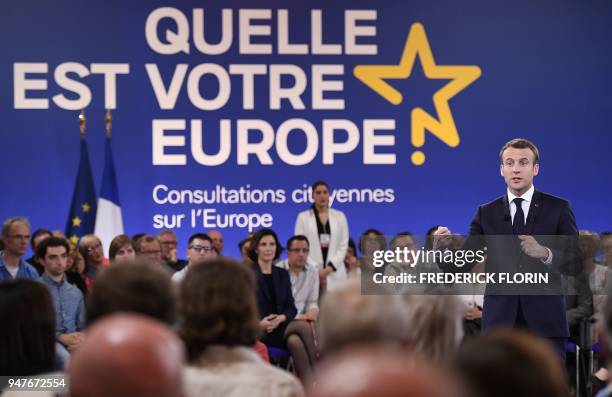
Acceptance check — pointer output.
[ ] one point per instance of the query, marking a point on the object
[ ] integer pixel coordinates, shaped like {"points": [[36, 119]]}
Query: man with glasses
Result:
{"points": [[169, 247], [304, 278], [15, 238], [199, 248]]}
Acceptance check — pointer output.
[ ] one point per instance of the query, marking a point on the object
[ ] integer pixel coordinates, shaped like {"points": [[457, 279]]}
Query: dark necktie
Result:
{"points": [[518, 224]]}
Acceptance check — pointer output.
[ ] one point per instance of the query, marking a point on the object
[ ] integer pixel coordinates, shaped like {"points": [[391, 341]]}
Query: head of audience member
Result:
{"points": [[348, 319], [217, 306], [606, 246], [217, 239], [92, 250], [52, 253], [122, 249], [370, 241], [589, 245], [401, 241], [58, 233], [265, 246], [429, 239], [138, 288], [38, 236], [128, 355], [355, 373], [149, 247], [15, 237], [320, 195], [434, 325], [245, 246], [200, 248], [169, 245], [350, 259], [76, 262], [27, 337], [511, 363], [298, 249]]}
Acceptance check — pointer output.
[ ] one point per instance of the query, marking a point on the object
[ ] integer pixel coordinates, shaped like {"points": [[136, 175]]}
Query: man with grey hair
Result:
{"points": [[350, 319], [15, 238], [169, 248]]}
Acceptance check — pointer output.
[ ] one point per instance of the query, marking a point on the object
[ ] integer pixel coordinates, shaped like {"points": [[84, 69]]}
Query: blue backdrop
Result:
{"points": [[545, 75]]}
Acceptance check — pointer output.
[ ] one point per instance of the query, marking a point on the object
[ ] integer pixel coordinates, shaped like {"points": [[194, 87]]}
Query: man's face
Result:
{"points": [[606, 246], [168, 243], [151, 250], [199, 250], [298, 253], [16, 242], [217, 239], [55, 260], [518, 169], [320, 195]]}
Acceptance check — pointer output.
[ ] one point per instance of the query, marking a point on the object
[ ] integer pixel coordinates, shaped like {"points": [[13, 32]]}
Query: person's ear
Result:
{"points": [[536, 169], [501, 169]]}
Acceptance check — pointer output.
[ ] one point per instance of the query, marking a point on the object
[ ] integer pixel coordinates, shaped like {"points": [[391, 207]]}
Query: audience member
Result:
{"points": [[52, 253], [38, 236], [128, 355], [305, 288], [376, 373], [27, 334], [511, 364], [199, 248], [245, 246], [219, 326], [169, 247], [605, 328], [350, 319], [370, 241], [327, 232], [75, 265], [434, 325], [139, 288], [149, 247], [596, 272], [15, 237], [351, 263], [217, 240], [91, 248], [122, 249]]}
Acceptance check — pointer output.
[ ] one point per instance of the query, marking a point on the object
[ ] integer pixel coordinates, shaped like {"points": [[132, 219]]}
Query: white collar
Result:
{"points": [[527, 196]]}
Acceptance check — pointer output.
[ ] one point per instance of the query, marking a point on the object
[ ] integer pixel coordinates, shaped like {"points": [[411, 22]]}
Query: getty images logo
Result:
{"points": [[443, 127]]}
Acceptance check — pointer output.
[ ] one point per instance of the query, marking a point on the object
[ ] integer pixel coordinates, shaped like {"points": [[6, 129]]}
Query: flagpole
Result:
{"points": [[109, 120], [82, 123]]}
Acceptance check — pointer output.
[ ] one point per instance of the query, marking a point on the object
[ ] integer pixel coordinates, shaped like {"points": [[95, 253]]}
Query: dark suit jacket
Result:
{"points": [[542, 306], [282, 290]]}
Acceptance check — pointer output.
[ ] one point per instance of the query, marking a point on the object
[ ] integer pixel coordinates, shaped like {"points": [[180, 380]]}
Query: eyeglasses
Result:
{"points": [[298, 250], [200, 248], [94, 248]]}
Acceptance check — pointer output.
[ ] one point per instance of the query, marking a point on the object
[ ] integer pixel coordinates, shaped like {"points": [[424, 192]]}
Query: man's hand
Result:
{"points": [[532, 248], [442, 238], [473, 313], [71, 341]]}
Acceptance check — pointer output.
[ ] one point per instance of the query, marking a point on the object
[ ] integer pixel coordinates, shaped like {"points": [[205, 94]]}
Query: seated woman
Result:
{"points": [[219, 326], [122, 249], [304, 279]]}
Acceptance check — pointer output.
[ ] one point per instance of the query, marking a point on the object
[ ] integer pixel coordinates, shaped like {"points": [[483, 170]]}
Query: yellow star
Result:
{"points": [[76, 221], [86, 207], [461, 76], [74, 239]]}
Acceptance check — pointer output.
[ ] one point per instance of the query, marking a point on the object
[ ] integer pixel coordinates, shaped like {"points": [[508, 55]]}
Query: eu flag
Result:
{"points": [[82, 216]]}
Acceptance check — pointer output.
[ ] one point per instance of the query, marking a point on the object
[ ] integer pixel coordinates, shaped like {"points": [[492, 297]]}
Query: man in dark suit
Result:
{"points": [[524, 231]]}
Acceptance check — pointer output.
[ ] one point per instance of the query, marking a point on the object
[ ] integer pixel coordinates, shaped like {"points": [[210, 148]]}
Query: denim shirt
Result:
{"points": [[68, 305], [25, 270]]}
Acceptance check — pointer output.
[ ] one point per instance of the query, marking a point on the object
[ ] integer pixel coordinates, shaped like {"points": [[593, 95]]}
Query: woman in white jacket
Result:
{"points": [[327, 233]]}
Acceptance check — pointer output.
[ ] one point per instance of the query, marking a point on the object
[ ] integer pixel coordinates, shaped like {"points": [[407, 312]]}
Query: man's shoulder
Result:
{"points": [[548, 198]]}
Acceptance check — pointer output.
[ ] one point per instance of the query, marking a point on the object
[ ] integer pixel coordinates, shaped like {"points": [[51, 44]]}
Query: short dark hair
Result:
{"points": [[118, 242], [398, 236], [297, 237], [37, 233], [217, 304], [261, 233], [27, 338], [380, 239], [521, 143], [139, 287], [52, 241], [201, 236]]}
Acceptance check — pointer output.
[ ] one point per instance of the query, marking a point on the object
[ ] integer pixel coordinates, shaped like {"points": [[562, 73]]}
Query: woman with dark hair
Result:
{"points": [[327, 233], [122, 249], [370, 241], [75, 269], [27, 336], [219, 327]]}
